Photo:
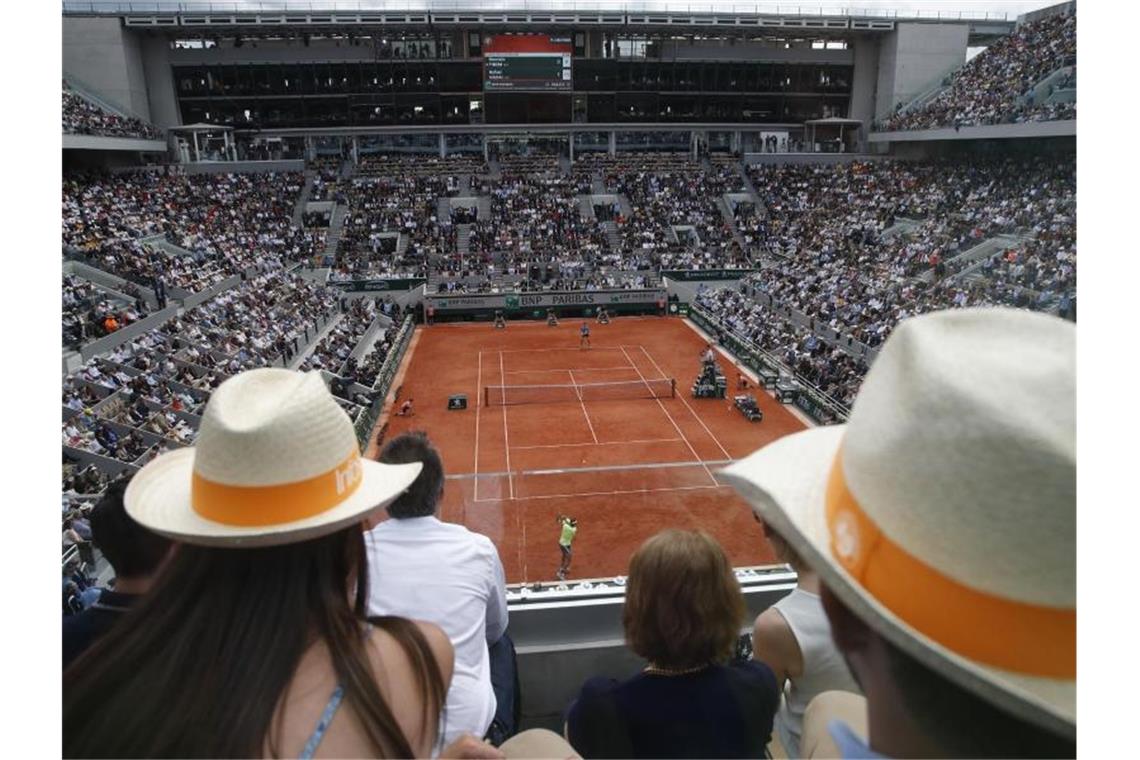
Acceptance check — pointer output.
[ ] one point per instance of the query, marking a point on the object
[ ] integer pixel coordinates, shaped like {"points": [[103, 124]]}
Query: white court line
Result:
{"points": [[506, 440], [674, 422], [578, 393], [545, 350], [478, 408], [568, 369], [607, 493], [598, 443], [685, 401]]}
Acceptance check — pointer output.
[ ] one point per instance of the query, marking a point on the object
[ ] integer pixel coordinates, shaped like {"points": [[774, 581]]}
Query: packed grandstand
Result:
{"points": [[798, 255]]}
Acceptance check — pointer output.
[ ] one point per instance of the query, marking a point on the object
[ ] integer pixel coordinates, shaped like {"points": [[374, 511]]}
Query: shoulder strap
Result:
{"points": [[323, 723]]}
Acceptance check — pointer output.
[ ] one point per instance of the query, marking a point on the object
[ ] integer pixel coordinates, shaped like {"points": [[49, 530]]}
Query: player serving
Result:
{"points": [[584, 335]]}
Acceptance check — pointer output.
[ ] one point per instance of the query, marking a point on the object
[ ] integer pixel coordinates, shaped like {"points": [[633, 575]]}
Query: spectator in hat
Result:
{"points": [[941, 519], [135, 554], [254, 639]]}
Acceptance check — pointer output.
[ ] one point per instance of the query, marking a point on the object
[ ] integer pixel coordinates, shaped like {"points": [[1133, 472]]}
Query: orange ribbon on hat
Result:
{"points": [[1031, 639], [259, 506]]}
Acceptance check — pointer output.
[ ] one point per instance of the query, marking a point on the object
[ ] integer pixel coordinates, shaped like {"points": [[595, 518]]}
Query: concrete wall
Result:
{"points": [[100, 54], [989, 132], [914, 58], [99, 142], [160, 90], [864, 84]]}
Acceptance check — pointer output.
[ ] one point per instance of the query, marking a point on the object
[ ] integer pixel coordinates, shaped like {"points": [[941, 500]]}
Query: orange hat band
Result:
{"points": [[1022, 638], [258, 506]]}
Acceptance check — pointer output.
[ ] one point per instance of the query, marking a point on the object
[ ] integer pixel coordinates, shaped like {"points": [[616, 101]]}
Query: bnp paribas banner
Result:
{"points": [[544, 300]]}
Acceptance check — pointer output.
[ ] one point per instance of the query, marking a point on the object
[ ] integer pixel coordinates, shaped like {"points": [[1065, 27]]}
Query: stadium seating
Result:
{"points": [[82, 117], [996, 86]]}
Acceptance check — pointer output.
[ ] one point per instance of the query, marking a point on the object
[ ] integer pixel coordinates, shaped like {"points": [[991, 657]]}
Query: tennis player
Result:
{"points": [[584, 335], [569, 528], [407, 409]]}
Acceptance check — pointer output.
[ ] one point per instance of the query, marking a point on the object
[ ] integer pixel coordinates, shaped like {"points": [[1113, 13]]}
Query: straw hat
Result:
{"points": [[276, 462], [944, 512]]}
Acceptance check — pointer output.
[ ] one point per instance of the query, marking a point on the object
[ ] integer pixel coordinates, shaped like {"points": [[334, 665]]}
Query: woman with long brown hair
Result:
{"points": [[254, 641]]}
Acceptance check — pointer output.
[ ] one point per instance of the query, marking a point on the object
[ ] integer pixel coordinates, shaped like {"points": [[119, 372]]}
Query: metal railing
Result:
{"points": [[821, 406], [383, 382], [492, 6]]}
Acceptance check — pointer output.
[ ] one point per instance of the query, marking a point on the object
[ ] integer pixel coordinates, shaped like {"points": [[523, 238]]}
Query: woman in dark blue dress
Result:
{"points": [[683, 613]]}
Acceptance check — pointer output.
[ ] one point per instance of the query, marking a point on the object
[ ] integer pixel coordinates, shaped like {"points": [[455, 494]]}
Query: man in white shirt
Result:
{"points": [[422, 568]]}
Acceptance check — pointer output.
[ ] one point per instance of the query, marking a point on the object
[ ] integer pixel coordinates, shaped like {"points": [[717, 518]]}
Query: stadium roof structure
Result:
{"points": [[714, 16]]}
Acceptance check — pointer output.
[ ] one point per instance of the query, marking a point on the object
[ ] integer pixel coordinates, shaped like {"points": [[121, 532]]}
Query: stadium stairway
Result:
{"points": [[1046, 91], [612, 235], [902, 225], [483, 203], [730, 220], [336, 228], [979, 253], [315, 338], [303, 199], [749, 188], [463, 240], [586, 208], [625, 206]]}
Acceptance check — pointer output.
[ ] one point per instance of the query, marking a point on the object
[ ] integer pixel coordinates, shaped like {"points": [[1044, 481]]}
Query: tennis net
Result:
{"points": [[504, 395]]}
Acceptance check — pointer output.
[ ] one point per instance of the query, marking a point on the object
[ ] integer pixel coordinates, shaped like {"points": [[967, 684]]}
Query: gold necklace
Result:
{"points": [[659, 671]]}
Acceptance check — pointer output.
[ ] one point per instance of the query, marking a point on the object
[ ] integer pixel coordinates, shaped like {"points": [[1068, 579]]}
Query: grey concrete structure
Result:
{"points": [[102, 55], [990, 132], [915, 57]]}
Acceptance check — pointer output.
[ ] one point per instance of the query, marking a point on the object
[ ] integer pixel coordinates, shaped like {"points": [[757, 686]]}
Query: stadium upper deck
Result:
{"points": [[279, 68]]}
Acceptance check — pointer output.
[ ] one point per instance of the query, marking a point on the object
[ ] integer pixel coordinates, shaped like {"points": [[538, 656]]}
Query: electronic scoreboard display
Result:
{"points": [[526, 62]]}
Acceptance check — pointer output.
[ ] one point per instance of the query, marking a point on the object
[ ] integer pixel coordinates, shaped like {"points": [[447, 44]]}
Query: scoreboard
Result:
{"points": [[536, 62]]}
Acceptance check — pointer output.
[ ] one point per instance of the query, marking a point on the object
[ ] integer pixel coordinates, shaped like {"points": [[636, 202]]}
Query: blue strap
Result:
{"points": [[323, 724]]}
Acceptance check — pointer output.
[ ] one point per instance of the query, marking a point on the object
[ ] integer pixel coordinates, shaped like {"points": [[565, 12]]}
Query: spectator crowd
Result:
{"points": [[997, 86], [853, 249], [82, 117]]}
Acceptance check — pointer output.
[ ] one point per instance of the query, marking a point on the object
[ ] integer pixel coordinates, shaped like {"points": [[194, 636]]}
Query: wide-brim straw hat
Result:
{"points": [[276, 462], [943, 513]]}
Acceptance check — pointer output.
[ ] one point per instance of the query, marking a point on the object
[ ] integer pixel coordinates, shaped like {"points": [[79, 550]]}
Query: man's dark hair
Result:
{"points": [[964, 724], [132, 550], [423, 494]]}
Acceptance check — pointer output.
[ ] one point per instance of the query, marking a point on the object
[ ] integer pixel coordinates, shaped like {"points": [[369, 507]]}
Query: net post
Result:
{"points": [[672, 387], [486, 395]]}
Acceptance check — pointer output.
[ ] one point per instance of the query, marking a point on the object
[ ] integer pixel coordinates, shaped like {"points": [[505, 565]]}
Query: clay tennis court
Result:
{"points": [[594, 433]]}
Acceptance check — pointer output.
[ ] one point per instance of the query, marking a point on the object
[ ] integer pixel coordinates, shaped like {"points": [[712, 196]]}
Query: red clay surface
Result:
{"points": [[512, 469]]}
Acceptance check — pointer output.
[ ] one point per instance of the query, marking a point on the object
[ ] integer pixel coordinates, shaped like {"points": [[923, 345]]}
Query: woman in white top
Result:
{"points": [[793, 638]]}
